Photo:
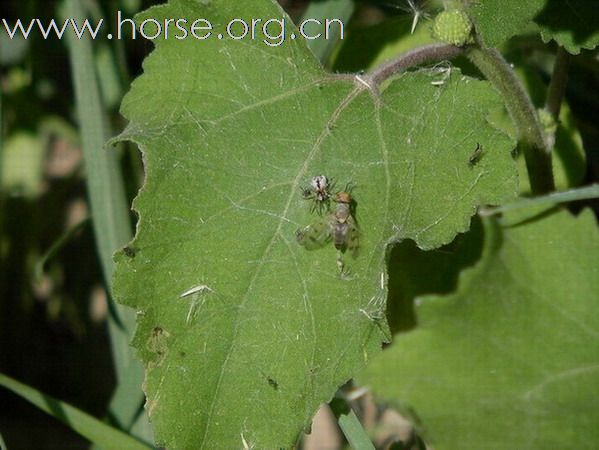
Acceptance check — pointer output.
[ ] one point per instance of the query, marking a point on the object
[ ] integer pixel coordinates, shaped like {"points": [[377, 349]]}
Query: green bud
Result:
{"points": [[453, 27]]}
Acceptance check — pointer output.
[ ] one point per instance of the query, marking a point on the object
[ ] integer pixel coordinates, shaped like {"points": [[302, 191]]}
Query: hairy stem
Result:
{"points": [[531, 138], [557, 85], [421, 55]]}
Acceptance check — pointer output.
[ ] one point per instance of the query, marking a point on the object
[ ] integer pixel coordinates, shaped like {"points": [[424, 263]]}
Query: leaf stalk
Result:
{"points": [[421, 55]]}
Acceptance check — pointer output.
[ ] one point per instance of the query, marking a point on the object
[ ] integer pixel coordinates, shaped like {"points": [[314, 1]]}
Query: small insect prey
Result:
{"points": [[319, 192], [129, 251], [339, 226], [476, 156], [345, 231]]}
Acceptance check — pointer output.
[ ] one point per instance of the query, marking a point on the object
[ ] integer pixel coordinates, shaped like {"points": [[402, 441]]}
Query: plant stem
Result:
{"points": [[420, 55], [557, 85], [531, 138]]}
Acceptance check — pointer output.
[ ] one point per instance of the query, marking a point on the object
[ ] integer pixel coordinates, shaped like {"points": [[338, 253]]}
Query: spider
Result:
{"points": [[319, 192]]}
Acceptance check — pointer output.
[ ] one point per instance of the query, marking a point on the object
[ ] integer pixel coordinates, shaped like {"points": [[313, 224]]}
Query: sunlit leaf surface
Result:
{"points": [[244, 332]]}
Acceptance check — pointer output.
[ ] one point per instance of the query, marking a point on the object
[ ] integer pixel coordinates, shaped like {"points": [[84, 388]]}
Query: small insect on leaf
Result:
{"points": [[129, 251], [340, 227], [345, 229], [476, 156], [273, 383]]}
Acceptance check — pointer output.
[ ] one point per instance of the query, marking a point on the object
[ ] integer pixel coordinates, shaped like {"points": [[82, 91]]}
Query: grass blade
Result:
{"points": [[354, 432], [321, 11], [110, 212], [82, 423], [584, 193]]}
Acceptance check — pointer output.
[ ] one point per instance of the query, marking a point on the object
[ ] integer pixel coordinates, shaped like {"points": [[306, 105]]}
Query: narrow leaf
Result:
{"points": [[323, 11], [584, 193], [354, 432], [110, 214], [82, 423]]}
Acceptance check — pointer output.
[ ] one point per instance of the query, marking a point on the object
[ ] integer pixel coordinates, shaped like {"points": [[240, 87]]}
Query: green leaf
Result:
{"points": [[573, 24], [82, 423], [237, 323], [511, 359], [498, 20]]}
